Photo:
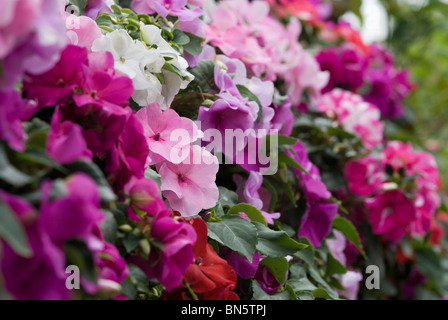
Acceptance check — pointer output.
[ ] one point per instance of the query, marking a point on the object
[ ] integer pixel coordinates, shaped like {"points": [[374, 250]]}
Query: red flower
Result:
{"points": [[210, 276]]}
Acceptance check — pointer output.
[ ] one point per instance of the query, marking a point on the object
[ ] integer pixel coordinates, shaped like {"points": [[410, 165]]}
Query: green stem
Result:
{"points": [[192, 293]]}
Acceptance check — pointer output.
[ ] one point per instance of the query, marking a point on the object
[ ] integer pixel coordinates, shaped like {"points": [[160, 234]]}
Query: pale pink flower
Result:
{"points": [[169, 136], [190, 185]]}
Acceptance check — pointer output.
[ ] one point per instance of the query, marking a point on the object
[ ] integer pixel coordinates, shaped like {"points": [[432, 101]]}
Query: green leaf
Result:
{"points": [[236, 233], [246, 93], [307, 254], [285, 159], [334, 266], [350, 232], [253, 213], [203, 75], [259, 294], [274, 195], [227, 197], [278, 267], [78, 254], [92, 170], [9, 173], [194, 46], [283, 140], [276, 244], [12, 232], [322, 293], [180, 37], [130, 242], [153, 175], [314, 273], [109, 227]]}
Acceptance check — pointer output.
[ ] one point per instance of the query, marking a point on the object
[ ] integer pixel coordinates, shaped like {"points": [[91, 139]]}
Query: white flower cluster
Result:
{"points": [[157, 70]]}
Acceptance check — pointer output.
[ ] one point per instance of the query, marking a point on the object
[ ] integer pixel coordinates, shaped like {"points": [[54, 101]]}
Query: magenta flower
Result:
{"points": [[391, 213], [347, 66], [145, 198], [41, 276], [242, 266], [163, 130], [127, 158], [113, 269], [56, 85], [169, 264], [14, 110], [65, 141], [74, 215], [103, 86], [190, 185]]}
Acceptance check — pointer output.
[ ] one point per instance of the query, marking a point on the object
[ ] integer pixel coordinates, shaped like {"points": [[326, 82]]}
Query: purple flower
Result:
{"points": [[346, 65], [113, 269], [251, 194], [242, 266], [267, 281], [320, 210], [14, 110]]}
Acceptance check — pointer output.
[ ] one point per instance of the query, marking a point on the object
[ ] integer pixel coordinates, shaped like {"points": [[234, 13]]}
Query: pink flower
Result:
{"points": [[14, 110], [163, 130], [82, 30], [65, 141], [145, 198], [113, 269], [354, 115], [190, 185], [351, 281], [365, 176], [391, 213], [169, 264]]}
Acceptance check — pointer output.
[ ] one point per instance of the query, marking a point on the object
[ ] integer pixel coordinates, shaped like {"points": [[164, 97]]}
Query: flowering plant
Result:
{"points": [[174, 149]]}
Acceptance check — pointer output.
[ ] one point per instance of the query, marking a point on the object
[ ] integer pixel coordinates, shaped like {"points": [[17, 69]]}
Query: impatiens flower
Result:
{"points": [[320, 210], [169, 264], [113, 269], [103, 86], [242, 266], [32, 36], [351, 281], [251, 192], [127, 158], [354, 115], [14, 110], [145, 198], [65, 141], [245, 30], [389, 86], [163, 130], [337, 246], [142, 60], [94, 8], [347, 66], [309, 10], [190, 185], [41, 276], [209, 276], [56, 85], [391, 213], [266, 279], [364, 176], [82, 30], [74, 215]]}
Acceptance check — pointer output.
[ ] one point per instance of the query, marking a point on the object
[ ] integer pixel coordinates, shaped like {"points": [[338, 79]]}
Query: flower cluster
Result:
{"points": [[191, 149]]}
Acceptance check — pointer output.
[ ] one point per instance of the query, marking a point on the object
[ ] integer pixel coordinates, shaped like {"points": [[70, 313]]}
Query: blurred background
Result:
{"points": [[416, 31]]}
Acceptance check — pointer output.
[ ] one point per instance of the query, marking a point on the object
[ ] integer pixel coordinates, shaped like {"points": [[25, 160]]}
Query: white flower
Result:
{"points": [[143, 62]]}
